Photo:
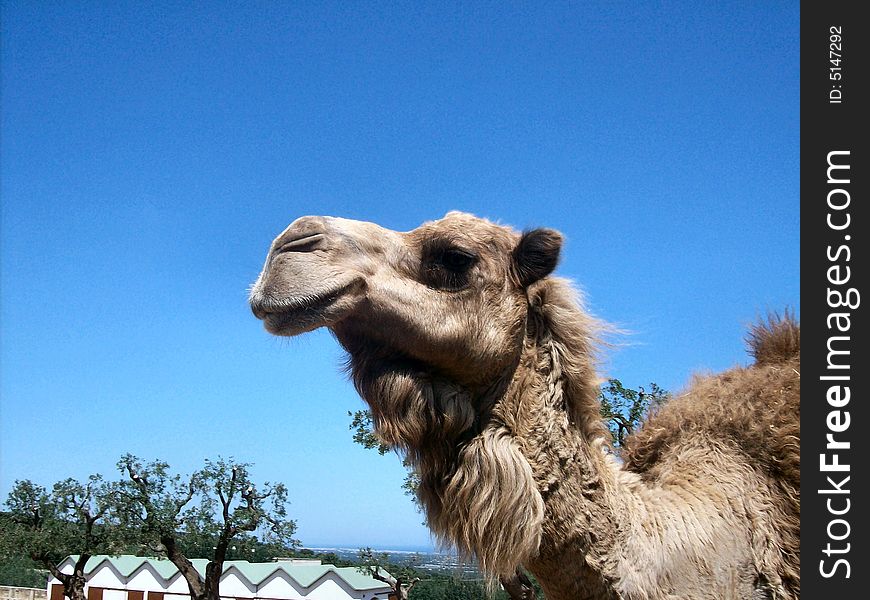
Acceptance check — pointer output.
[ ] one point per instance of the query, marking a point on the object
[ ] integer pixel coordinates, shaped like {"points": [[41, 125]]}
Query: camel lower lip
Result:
{"points": [[301, 315]]}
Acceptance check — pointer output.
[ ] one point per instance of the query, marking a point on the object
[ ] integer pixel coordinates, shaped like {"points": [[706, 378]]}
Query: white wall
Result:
{"points": [[145, 579], [331, 587], [114, 595], [105, 576], [280, 585], [233, 585]]}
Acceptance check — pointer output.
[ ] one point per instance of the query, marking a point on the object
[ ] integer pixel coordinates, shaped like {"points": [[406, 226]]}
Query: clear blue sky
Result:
{"points": [[151, 151]]}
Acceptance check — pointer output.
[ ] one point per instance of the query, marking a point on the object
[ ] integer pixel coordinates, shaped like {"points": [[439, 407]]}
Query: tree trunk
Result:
{"points": [[215, 567], [74, 583], [74, 587], [213, 572], [401, 590], [195, 583]]}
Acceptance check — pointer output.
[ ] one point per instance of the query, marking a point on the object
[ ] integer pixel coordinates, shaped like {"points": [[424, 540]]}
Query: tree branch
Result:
{"points": [[376, 574], [49, 565], [191, 491]]}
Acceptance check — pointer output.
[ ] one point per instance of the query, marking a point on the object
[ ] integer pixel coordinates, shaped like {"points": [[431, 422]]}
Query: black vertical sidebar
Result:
{"points": [[835, 368]]}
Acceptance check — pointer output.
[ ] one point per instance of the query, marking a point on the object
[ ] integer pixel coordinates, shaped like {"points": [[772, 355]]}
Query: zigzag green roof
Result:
{"points": [[127, 564], [255, 573]]}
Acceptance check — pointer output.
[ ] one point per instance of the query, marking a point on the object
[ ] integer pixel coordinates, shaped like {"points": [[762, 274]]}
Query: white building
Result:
{"points": [[129, 577]]}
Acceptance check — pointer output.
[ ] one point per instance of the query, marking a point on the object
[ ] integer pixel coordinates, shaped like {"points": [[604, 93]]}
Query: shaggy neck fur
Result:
{"points": [[553, 414], [524, 475], [488, 463]]}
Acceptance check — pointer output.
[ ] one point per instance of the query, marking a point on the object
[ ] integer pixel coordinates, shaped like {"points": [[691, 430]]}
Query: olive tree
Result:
{"points": [[74, 518], [219, 503]]}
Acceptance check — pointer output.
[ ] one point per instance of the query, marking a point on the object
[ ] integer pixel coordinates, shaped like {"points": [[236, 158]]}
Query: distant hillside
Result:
{"points": [[424, 559]]}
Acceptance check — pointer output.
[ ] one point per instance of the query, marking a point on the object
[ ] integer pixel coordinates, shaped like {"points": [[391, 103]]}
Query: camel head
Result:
{"points": [[433, 315]]}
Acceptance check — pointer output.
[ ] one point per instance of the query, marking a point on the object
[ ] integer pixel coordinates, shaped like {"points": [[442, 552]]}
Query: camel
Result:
{"points": [[480, 366]]}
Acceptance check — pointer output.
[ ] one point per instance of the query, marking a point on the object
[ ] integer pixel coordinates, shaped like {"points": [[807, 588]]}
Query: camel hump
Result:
{"points": [[776, 340]]}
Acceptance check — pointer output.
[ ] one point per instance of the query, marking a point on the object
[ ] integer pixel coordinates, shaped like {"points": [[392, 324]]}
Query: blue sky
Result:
{"points": [[150, 152]]}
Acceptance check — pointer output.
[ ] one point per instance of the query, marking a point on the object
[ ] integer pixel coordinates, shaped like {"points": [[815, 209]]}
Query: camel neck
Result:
{"points": [[573, 473], [601, 523]]}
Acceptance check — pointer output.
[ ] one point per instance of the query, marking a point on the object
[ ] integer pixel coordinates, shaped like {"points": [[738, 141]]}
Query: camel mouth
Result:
{"points": [[292, 316]]}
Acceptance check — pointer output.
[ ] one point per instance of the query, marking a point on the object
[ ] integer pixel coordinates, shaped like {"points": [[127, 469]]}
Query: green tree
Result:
{"points": [[400, 578], [19, 571], [205, 512], [454, 588], [73, 519], [624, 408]]}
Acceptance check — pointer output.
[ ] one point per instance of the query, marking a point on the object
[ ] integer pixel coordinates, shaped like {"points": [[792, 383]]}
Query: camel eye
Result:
{"points": [[457, 260], [448, 268]]}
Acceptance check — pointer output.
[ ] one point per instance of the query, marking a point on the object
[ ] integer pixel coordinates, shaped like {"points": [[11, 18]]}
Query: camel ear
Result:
{"points": [[536, 255]]}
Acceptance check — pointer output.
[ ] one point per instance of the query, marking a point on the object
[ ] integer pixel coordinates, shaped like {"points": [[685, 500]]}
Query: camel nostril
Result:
{"points": [[258, 310], [303, 243], [302, 235]]}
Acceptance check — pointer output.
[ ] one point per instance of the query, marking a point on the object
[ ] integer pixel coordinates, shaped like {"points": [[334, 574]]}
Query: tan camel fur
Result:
{"points": [[480, 367]]}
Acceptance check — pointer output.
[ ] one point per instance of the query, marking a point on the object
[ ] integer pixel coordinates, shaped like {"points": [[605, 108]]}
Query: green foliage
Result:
{"points": [[400, 578], [30, 523], [411, 483], [21, 571], [624, 409], [156, 502], [217, 513], [203, 513], [217, 510], [364, 431], [74, 518], [407, 570], [244, 546], [452, 588], [229, 491]]}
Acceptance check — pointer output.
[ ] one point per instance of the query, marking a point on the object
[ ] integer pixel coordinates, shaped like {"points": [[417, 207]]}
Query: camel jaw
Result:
{"points": [[301, 313]]}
